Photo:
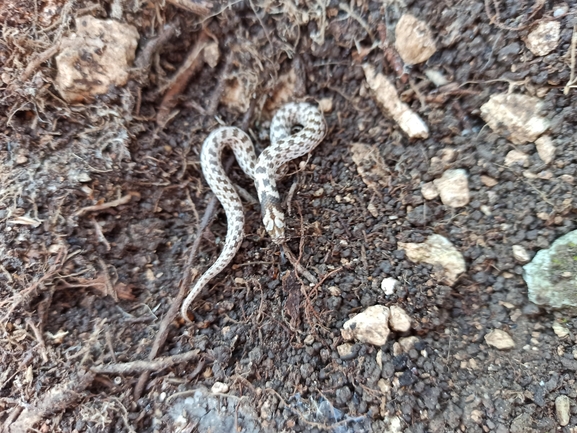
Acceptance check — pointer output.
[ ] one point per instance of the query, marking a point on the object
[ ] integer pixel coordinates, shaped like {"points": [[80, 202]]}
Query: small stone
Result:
{"points": [[453, 188], [370, 326], [334, 291], [499, 339], [436, 77], [326, 105], [516, 117], [379, 358], [345, 351], [517, 157], [319, 192], [520, 254], [309, 339], [437, 251], [384, 386], [399, 320], [408, 343], [21, 159], [545, 148], [560, 330], [544, 38], [488, 181], [567, 178], [551, 276], [562, 406], [429, 191], [219, 388], [373, 210], [414, 40], [97, 56], [389, 285]]}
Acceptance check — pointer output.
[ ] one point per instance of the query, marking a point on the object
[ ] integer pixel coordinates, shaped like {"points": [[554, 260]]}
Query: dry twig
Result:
{"points": [[140, 366]]}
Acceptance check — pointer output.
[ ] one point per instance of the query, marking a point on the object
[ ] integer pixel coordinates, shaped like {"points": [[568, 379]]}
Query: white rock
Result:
{"points": [[389, 285], [414, 40], [453, 187], [370, 326], [545, 148], [520, 254], [399, 320], [326, 105], [544, 38], [562, 406], [560, 330], [345, 351], [219, 388], [488, 181], [436, 77], [408, 343], [499, 339], [429, 191], [515, 117], [437, 251], [384, 386], [97, 56], [516, 157], [386, 96]]}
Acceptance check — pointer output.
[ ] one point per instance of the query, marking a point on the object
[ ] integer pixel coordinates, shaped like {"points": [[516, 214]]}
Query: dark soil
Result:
{"points": [[270, 337]]}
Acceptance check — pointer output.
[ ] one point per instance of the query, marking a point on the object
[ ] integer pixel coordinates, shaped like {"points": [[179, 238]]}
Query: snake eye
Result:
{"points": [[296, 128]]}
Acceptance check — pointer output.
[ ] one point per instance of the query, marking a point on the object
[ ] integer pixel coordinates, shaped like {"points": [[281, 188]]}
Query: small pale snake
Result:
{"points": [[284, 147]]}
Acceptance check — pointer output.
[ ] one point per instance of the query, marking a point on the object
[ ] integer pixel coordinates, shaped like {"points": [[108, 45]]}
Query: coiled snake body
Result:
{"points": [[284, 147]]}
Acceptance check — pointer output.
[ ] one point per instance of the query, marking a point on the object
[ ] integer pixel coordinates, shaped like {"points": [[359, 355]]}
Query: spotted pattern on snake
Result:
{"points": [[284, 147]]}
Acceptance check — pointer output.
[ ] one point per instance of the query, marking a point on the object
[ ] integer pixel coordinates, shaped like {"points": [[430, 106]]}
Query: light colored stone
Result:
{"points": [[560, 330], [97, 56], [389, 285], [567, 178], [520, 254], [429, 191], [551, 276], [370, 165], [408, 343], [219, 388], [562, 410], [488, 181], [437, 251], [453, 187], [386, 96], [345, 351], [399, 320], [499, 339], [384, 386], [414, 40], [436, 77], [544, 38], [326, 105], [370, 326], [516, 157], [515, 117], [545, 148]]}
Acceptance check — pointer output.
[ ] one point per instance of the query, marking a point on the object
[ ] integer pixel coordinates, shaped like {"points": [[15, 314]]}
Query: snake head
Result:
{"points": [[273, 220]]}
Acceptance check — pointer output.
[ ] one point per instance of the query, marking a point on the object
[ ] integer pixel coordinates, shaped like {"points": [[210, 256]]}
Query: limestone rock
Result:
{"points": [[544, 38], [453, 187], [414, 40], [399, 320], [437, 251], [370, 326], [516, 117], [499, 339], [97, 56], [552, 274]]}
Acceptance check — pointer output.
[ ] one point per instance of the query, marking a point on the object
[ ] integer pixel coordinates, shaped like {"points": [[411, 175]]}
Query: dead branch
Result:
{"points": [[181, 78], [200, 8], [140, 366], [144, 59], [114, 203], [57, 399]]}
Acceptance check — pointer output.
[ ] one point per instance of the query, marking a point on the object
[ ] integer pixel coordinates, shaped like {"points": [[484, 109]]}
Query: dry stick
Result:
{"points": [[57, 399], [118, 202], [181, 78], [148, 366], [144, 59], [31, 290], [196, 7]]}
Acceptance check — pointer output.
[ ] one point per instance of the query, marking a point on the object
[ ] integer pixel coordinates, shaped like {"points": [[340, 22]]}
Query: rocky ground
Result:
{"points": [[449, 162]]}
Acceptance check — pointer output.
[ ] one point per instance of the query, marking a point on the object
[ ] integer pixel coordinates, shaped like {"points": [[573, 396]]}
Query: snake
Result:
{"points": [[284, 147]]}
